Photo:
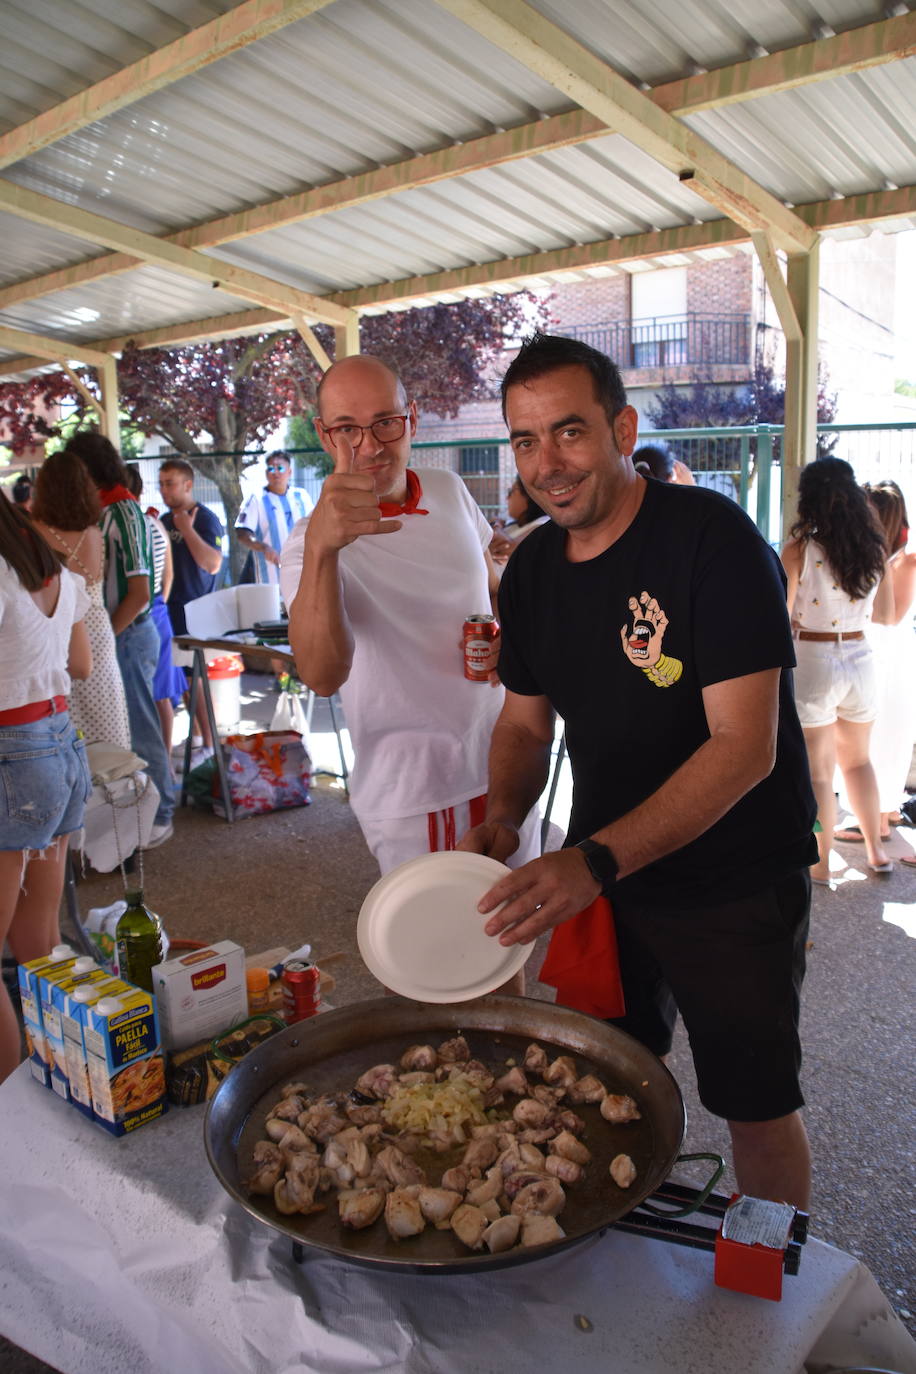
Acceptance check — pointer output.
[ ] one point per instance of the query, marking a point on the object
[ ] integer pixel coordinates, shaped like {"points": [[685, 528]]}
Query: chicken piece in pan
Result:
{"points": [[296, 1191], [454, 1051], [419, 1058], [545, 1197], [502, 1234], [569, 1147], [438, 1204], [566, 1170], [514, 1082], [561, 1073], [623, 1171], [403, 1215], [469, 1224], [535, 1058], [619, 1108], [378, 1081], [359, 1208], [538, 1230], [268, 1166], [587, 1089]]}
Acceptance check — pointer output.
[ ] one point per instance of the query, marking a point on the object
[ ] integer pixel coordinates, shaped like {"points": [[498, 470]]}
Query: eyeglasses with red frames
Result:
{"points": [[387, 430]]}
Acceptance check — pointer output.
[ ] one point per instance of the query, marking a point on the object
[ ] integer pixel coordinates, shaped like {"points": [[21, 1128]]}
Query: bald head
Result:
{"points": [[345, 381], [363, 411]]}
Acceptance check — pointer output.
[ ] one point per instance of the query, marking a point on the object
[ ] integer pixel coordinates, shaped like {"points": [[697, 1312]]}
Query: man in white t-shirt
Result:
{"points": [[379, 581], [266, 518]]}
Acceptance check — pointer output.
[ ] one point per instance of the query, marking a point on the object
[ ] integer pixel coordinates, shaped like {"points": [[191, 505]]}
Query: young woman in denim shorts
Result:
{"points": [[44, 776], [835, 563]]}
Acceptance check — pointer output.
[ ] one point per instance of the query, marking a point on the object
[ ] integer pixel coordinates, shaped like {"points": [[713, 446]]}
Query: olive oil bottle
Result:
{"points": [[139, 940]]}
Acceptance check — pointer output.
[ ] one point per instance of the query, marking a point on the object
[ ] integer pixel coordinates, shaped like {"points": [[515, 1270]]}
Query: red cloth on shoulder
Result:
{"points": [[109, 496], [582, 962], [412, 505]]}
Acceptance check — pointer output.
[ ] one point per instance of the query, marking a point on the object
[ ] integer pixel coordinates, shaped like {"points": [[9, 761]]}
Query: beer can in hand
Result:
{"points": [[301, 991], [479, 633]]}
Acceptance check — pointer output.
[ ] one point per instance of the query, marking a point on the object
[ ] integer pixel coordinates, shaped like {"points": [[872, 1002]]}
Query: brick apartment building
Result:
{"points": [[709, 314]]}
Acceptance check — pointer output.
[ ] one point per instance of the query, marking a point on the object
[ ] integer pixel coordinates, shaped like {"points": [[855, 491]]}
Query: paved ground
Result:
{"points": [[302, 875]]}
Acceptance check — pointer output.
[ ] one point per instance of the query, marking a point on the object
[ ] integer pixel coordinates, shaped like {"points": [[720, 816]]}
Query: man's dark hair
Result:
{"points": [[134, 480], [22, 490], [100, 456], [543, 353], [279, 453], [177, 465]]}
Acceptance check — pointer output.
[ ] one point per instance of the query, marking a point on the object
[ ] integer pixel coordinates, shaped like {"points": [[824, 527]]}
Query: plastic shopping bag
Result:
{"points": [[268, 771], [289, 715]]}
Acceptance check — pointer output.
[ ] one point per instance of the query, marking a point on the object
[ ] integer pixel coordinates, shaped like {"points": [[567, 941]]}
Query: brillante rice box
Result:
{"points": [[201, 994]]}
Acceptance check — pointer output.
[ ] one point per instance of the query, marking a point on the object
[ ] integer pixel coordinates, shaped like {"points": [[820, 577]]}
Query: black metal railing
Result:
{"points": [[671, 340]]}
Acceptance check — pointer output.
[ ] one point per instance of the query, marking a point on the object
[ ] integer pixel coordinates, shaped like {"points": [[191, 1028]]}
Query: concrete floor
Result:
{"points": [[301, 875]]}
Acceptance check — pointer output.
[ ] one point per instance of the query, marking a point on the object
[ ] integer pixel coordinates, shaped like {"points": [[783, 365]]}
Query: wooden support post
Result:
{"points": [[84, 391], [346, 338], [312, 342], [111, 425], [799, 445]]}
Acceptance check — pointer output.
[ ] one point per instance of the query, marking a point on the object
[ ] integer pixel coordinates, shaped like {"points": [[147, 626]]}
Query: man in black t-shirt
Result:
{"points": [[652, 618]]}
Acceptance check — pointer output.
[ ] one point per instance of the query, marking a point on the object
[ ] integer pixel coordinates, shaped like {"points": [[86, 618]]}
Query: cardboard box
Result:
{"points": [[30, 997], [125, 1061], [73, 1018], [200, 994], [54, 991]]}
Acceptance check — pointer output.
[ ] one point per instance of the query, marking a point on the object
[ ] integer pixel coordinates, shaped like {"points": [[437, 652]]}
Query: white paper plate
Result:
{"points": [[420, 933]]}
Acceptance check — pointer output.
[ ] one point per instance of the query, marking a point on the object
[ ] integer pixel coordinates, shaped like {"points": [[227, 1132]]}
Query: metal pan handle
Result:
{"points": [[697, 1201]]}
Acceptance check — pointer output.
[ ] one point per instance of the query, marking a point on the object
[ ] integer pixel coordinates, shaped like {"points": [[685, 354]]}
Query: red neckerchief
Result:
{"points": [[110, 495], [412, 505]]}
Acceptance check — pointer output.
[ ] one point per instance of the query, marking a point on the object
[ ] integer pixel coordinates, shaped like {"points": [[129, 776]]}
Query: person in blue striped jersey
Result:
{"points": [[267, 517]]}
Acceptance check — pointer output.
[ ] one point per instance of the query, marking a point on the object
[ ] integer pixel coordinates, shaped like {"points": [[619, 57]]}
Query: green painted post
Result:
{"points": [[764, 469]]}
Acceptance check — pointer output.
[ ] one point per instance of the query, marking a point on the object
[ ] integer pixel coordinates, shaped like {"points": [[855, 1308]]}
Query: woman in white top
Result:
{"points": [[66, 510], [835, 563], [895, 662], [44, 777]]}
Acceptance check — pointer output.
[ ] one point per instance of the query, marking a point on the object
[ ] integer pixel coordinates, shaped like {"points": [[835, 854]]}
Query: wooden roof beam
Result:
{"points": [[227, 34], [877, 205], [854, 50], [224, 276], [543, 47], [49, 350]]}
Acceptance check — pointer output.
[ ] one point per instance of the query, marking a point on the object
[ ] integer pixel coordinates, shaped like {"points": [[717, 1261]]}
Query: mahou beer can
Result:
{"points": [[301, 991], [479, 633]]}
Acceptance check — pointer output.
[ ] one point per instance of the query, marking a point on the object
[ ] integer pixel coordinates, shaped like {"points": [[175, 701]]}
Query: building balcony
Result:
{"points": [[666, 342]]}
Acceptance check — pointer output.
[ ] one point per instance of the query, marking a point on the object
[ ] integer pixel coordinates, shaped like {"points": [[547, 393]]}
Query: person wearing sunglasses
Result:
{"points": [[266, 518], [379, 580]]}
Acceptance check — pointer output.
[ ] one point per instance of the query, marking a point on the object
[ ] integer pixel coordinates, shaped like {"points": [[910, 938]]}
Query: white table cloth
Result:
{"points": [[125, 1256]]}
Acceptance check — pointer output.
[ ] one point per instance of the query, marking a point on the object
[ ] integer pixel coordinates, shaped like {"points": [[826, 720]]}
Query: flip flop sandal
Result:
{"points": [[853, 835]]}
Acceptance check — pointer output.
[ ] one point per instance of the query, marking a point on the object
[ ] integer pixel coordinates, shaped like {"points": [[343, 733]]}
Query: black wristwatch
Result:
{"points": [[601, 863]]}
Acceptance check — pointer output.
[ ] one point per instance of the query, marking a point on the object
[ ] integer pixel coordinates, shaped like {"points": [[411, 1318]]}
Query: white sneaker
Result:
{"points": [[159, 834]]}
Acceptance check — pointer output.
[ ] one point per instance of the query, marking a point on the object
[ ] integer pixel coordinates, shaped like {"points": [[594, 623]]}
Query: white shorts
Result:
{"points": [[835, 680], [393, 842]]}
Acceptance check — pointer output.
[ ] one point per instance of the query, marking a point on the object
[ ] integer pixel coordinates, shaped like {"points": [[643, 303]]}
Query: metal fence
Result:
{"points": [[744, 463]]}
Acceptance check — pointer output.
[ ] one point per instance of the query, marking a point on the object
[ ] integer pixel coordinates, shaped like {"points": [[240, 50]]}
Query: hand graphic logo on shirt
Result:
{"points": [[642, 641]]}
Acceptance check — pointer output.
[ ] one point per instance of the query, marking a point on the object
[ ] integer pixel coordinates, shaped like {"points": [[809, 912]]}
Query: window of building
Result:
{"points": [[659, 317], [478, 467]]}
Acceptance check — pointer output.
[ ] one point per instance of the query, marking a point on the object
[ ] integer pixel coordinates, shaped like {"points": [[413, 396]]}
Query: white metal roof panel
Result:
{"points": [[142, 299]]}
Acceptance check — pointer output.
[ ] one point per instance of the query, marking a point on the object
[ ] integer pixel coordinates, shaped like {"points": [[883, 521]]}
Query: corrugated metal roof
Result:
{"points": [[366, 83]]}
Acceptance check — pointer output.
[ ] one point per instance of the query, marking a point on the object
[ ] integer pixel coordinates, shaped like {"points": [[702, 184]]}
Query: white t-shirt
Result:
{"points": [[420, 730], [34, 647]]}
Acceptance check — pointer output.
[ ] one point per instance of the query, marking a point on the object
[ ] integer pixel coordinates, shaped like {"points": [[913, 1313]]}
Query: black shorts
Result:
{"points": [[734, 971]]}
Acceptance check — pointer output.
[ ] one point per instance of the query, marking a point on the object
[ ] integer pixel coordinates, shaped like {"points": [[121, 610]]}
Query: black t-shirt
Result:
{"points": [[709, 593]]}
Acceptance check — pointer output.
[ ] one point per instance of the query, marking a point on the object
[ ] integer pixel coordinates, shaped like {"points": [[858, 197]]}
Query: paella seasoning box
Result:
{"points": [[125, 1061]]}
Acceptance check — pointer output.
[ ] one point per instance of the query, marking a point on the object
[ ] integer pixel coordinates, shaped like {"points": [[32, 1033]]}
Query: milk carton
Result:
{"points": [[61, 956], [74, 1014], [53, 988], [125, 1060]]}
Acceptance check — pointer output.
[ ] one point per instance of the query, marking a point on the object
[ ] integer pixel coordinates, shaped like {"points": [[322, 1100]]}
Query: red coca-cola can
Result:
{"points": [[479, 633], [301, 991]]}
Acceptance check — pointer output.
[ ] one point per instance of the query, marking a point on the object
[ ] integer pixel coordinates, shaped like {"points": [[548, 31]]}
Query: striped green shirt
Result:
{"points": [[127, 550]]}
